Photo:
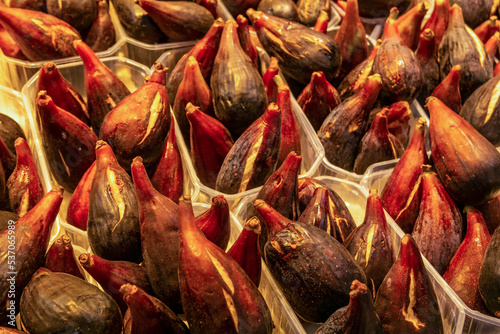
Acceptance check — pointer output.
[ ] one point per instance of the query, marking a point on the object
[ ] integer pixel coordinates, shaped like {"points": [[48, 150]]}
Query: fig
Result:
{"points": [[237, 7], [351, 38], [211, 141], [239, 94], [40, 36], [487, 29], [466, 162], [402, 192], [179, 20], [448, 91], [204, 51], [101, 35], [168, 177], [491, 46], [357, 317], [461, 46], [309, 10], [482, 110], [62, 92], [300, 51], [377, 145], [344, 127], [79, 14], [32, 236], [10, 130], [137, 22], [489, 275], [318, 99], [147, 314], [286, 9], [192, 89], [491, 213], [409, 24], [24, 184], [462, 274], [217, 295], [438, 21], [426, 54], [406, 301], [74, 304], [252, 158], [381, 8], [9, 46], [246, 252], [215, 223], [103, 87], [475, 12], [371, 243], [38, 5], [61, 258], [268, 78], [245, 39], [111, 275], [438, 228], [138, 125], [113, 223], [158, 217], [78, 206], [312, 268], [398, 121], [68, 142], [397, 65], [322, 22]]}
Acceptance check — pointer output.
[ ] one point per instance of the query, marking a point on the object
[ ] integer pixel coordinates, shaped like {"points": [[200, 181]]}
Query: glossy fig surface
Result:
{"points": [[101, 35], [61, 258], [78, 206], [489, 273], [215, 223]]}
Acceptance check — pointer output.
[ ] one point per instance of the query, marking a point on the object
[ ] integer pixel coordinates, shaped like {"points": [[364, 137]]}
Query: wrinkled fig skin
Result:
{"points": [[406, 301], [204, 51], [61, 258], [371, 244], [217, 295], [113, 223], [438, 228], [239, 95], [299, 50], [252, 158], [313, 269], [111, 275], [139, 124], [344, 127], [426, 54], [79, 14], [402, 192], [482, 110], [489, 275], [137, 22], [68, 142], [10, 130], [62, 303], [147, 314], [211, 141], [381, 8], [179, 20], [475, 11], [358, 317], [309, 10], [38, 5], [103, 87], [101, 35], [158, 217], [461, 46], [24, 185], [466, 162], [462, 274], [246, 252], [307, 187], [286, 9], [168, 178], [62, 92], [32, 239], [491, 213], [448, 91], [78, 206], [5, 217], [215, 222], [40, 36]]}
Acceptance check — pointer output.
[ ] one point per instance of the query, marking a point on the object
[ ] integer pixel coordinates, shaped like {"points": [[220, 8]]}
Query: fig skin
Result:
{"points": [[489, 275], [78, 206], [448, 91], [475, 12], [61, 258], [426, 54], [215, 223], [10, 130], [79, 14], [101, 35], [309, 10], [286, 9], [381, 8]]}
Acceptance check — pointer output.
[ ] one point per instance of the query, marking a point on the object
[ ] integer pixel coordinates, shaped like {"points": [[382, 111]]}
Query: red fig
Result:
{"points": [[101, 35], [438, 20], [61, 258], [409, 24], [448, 91], [487, 29], [426, 54], [215, 222], [321, 24], [246, 40], [268, 78], [78, 206]]}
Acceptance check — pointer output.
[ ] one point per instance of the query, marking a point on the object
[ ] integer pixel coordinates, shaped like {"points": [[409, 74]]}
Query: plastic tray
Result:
{"points": [[132, 74], [312, 150], [468, 320], [355, 197], [15, 72]]}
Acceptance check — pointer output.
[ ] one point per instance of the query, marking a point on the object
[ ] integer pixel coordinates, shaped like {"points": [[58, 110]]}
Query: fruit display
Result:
{"points": [[263, 175]]}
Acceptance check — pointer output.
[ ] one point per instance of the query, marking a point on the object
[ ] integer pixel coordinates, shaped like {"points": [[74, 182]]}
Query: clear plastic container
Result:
{"points": [[15, 72], [467, 320], [312, 150], [355, 197], [132, 74]]}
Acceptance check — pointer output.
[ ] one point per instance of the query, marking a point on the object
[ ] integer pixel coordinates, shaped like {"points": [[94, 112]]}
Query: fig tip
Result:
{"points": [[84, 258], [373, 191], [66, 239], [128, 289], [253, 224], [100, 143], [137, 160]]}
